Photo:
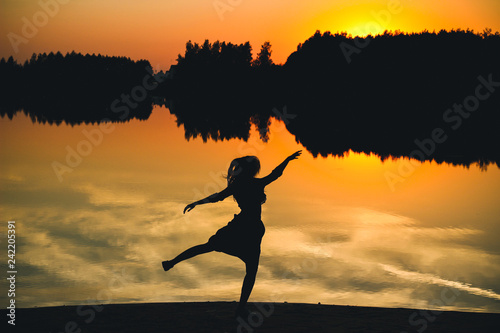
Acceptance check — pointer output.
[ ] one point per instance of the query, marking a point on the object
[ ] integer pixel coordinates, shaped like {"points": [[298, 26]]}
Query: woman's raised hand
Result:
{"points": [[189, 207], [294, 156]]}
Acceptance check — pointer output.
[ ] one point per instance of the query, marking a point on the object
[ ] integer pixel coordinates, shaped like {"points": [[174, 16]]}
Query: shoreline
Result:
{"points": [[267, 317]]}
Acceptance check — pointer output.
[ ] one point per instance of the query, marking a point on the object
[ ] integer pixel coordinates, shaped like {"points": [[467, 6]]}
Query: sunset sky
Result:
{"points": [[158, 30]]}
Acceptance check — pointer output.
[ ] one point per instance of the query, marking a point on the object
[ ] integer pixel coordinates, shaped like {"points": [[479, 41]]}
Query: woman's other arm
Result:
{"points": [[219, 196], [278, 171]]}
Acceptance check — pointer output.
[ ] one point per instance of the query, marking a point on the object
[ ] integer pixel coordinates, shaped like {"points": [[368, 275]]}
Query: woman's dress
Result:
{"points": [[243, 235]]}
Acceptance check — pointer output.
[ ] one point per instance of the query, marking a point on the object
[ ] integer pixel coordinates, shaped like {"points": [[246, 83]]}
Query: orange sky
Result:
{"points": [[158, 30]]}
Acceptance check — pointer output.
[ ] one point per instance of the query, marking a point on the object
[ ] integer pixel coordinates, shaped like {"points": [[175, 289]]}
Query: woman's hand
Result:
{"points": [[294, 156], [189, 207]]}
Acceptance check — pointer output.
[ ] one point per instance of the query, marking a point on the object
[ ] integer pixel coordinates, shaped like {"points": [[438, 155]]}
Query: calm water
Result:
{"points": [[98, 209]]}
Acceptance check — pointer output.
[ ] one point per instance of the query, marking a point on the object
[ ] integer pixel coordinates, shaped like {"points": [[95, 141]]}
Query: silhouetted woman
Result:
{"points": [[242, 236]]}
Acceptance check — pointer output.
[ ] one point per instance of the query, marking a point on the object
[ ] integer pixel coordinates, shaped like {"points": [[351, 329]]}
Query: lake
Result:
{"points": [[99, 207]]}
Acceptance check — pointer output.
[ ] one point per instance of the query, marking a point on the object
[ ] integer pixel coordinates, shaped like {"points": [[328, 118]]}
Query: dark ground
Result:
{"points": [[268, 317]]}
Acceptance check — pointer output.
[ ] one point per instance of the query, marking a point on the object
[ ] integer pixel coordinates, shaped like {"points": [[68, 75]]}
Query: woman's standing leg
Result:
{"points": [[248, 283], [189, 253]]}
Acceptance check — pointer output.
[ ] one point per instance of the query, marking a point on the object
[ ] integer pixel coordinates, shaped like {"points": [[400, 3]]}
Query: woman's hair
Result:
{"points": [[243, 167]]}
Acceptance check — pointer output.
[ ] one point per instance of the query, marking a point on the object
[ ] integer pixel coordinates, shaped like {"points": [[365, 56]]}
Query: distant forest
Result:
{"points": [[428, 95]]}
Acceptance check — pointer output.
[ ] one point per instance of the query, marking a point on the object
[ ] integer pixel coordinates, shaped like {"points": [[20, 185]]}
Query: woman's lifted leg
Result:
{"points": [[189, 253]]}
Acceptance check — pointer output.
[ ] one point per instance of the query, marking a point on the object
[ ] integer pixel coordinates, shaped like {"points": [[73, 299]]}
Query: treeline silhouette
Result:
{"points": [[427, 95], [218, 90], [384, 94], [74, 88]]}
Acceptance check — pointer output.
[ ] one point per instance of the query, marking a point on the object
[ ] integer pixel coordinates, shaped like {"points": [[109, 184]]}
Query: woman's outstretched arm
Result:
{"points": [[219, 196], [278, 171]]}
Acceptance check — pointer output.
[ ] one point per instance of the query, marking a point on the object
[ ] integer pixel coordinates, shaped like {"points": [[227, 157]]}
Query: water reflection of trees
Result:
{"points": [[375, 95], [73, 88]]}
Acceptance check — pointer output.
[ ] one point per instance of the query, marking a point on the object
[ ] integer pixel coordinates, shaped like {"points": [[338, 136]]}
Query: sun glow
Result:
{"points": [[366, 28]]}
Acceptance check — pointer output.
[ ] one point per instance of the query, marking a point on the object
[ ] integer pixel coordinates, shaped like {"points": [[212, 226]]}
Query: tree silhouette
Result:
{"points": [[263, 58]]}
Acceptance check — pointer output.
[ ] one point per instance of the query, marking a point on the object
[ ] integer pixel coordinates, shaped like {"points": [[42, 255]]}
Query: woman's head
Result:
{"points": [[243, 167]]}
